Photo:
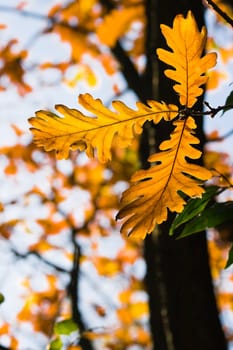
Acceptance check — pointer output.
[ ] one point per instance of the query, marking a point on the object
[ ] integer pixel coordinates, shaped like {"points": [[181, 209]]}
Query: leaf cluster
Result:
{"points": [[154, 191]]}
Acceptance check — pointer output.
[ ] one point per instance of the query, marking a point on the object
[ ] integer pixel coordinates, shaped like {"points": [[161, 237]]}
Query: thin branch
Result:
{"points": [[24, 256], [74, 233], [37, 16], [128, 69], [221, 138], [225, 178], [228, 134], [73, 290], [2, 347], [73, 286], [220, 12], [24, 13], [211, 112]]}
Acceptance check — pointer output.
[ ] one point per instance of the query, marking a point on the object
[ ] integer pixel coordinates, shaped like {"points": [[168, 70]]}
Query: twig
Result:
{"points": [[73, 286], [128, 69], [24, 13], [211, 112], [23, 256], [221, 138], [224, 178], [220, 12], [51, 19], [73, 290], [2, 347]]}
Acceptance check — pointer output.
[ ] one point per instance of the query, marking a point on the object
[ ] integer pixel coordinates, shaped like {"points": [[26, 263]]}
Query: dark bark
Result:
{"points": [[73, 290], [184, 315]]}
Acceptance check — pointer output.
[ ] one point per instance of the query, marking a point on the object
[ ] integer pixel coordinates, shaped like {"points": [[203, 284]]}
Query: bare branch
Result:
{"points": [[220, 12], [49, 263]]}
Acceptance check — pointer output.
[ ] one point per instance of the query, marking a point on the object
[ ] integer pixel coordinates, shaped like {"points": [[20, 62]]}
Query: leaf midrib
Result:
{"points": [[106, 125]]}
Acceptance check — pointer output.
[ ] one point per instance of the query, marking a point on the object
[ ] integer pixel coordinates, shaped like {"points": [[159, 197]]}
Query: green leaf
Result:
{"points": [[210, 217], [56, 344], [2, 298], [65, 327], [229, 101], [230, 258], [193, 207]]}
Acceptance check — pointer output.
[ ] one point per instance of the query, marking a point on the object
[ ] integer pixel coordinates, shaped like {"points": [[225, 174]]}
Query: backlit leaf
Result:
{"points": [[155, 190], [210, 217], [77, 131], [56, 344], [187, 45], [65, 327], [193, 208]]}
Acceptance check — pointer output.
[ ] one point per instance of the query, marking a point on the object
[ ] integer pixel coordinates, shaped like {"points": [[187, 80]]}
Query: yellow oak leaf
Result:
{"points": [[77, 131], [155, 190], [187, 45]]}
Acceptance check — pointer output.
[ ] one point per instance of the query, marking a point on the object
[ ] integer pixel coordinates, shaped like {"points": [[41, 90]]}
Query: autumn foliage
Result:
{"points": [[146, 202], [91, 291]]}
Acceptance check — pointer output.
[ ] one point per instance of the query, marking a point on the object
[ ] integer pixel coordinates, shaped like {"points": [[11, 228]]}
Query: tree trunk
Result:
{"points": [[184, 315]]}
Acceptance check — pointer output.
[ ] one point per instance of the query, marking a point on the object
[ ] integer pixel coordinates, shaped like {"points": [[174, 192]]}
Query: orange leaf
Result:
{"points": [[155, 190], [78, 131], [187, 45]]}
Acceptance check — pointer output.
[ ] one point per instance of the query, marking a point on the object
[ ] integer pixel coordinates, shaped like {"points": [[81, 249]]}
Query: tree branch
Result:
{"points": [[38, 16], [220, 12], [24, 256], [221, 138], [211, 112], [131, 75], [73, 290], [34, 15], [2, 347]]}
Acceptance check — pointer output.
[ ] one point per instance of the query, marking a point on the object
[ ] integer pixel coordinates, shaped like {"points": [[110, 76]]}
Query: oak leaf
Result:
{"points": [[156, 190], [171, 178], [78, 131], [187, 45]]}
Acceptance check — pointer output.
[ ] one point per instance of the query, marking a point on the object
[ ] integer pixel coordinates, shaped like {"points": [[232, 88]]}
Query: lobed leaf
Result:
{"points": [[156, 190], [77, 131], [187, 45]]}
